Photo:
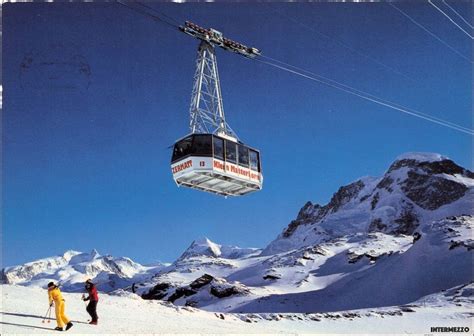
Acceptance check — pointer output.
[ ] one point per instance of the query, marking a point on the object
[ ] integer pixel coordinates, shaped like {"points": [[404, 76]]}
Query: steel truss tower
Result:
{"points": [[207, 110]]}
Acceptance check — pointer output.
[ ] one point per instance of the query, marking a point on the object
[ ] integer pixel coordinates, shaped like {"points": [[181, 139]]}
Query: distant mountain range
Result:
{"points": [[378, 242], [73, 268]]}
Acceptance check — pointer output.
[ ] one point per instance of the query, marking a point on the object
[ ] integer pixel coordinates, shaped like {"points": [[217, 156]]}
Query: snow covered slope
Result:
{"points": [[23, 310], [72, 268]]}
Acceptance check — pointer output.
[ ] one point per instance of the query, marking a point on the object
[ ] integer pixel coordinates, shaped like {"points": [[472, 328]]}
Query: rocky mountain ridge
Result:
{"points": [[416, 187]]}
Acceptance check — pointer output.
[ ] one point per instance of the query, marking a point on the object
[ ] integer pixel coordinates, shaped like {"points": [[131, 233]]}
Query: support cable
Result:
{"points": [[362, 92], [459, 15], [144, 12], [178, 23], [367, 96], [344, 45], [450, 19], [430, 33]]}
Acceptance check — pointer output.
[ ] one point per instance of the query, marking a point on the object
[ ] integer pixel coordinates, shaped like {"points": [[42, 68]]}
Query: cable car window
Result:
{"points": [[254, 160], [243, 156], [230, 151], [218, 148], [202, 145], [182, 148]]}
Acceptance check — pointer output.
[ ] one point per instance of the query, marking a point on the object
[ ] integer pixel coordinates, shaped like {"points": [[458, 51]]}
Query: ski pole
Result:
{"points": [[85, 303], [46, 315], [50, 313], [83, 297]]}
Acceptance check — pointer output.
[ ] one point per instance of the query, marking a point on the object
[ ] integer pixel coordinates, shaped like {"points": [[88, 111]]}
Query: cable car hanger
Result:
{"points": [[207, 110], [215, 37], [212, 158]]}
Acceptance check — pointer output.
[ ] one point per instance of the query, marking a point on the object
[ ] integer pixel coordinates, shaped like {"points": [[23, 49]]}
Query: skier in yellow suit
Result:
{"points": [[55, 296]]}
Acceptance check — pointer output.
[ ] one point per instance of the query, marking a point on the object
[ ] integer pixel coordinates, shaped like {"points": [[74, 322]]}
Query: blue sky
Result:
{"points": [[94, 94]]}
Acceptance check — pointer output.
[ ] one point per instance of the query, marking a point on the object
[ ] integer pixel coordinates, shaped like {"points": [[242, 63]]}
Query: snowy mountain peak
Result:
{"points": [[416, 187], [94, 254], [421, 157], [202, 247], [203, 241], [68, 255], [81, 257], [428, 163]]}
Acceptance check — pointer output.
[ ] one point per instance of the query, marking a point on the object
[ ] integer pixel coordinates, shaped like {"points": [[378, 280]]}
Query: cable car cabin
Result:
{"points": [[216, 164]]}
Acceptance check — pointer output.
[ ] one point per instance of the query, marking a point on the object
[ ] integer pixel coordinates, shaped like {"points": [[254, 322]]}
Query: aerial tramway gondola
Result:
{"points": [[212, 158]]}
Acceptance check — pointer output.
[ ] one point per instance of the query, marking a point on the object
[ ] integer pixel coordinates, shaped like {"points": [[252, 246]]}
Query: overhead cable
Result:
{"points": [[369, 97], [344, 45], [459, 15], [144, 12], [430, 33], [450, 19], [160, 13], [362, 92]]}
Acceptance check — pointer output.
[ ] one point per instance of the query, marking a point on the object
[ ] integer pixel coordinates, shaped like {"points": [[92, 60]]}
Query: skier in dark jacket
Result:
{"points": [[93, 298]]}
